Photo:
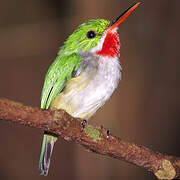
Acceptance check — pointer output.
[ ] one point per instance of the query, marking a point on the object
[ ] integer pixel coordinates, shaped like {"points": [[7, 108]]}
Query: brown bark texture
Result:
{"points": [[95, 139]]}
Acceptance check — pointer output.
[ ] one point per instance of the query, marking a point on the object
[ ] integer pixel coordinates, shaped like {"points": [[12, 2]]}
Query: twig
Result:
{"points": [[94, 139]]}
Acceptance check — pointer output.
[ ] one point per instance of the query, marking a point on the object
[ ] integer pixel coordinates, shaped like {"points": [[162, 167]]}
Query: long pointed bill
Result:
{"points": [[123, 16]]}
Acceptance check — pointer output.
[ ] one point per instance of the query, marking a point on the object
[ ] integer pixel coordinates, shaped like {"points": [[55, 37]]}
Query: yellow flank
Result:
{"points": [[60, 103], [64, 99], [79, 83]]}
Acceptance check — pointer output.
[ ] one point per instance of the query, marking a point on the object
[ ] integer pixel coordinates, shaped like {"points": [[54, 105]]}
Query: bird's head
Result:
{"points": [[97, 36]]}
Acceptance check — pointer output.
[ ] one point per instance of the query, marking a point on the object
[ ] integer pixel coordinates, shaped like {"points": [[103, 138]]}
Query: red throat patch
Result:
{"points": [[111, 45]]}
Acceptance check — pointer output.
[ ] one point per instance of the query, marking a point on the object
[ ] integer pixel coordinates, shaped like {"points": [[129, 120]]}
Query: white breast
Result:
{"points": [[84, 95]]}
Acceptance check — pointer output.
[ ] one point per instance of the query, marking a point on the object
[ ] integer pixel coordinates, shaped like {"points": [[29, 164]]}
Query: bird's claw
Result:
{"points": [[83, 123], [108, 133]]}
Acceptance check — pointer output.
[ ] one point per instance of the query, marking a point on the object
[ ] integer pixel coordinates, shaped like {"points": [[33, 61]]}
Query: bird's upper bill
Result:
{"points": [[111, 44], [123, 16]]}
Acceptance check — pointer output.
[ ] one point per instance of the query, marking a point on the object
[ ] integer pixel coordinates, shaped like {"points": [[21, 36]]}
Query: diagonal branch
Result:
{"points": [[92, 138]]}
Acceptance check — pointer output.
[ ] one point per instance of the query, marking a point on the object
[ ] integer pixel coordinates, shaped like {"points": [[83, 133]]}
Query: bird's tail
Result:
{"points": [[46, 151]]}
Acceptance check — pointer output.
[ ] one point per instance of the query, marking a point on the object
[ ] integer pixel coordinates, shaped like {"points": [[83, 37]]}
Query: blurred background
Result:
{"points": [[144, 109]]}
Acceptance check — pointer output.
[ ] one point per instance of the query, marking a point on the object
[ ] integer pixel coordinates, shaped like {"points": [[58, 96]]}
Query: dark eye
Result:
{"points": [[91, 34]]}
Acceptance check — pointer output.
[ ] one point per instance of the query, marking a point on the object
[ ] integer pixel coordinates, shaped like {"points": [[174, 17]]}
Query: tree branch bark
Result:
{"points": [[92, 138]]}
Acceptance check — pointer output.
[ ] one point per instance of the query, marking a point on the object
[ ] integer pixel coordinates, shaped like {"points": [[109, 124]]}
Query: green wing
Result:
{"points": [[57, 76]]}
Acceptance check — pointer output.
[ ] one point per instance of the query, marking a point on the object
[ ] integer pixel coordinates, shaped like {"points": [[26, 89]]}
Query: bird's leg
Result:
{"points": [[83, 123]]}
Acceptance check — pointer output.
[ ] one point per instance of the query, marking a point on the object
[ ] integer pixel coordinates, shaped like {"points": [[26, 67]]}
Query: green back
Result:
{"points": [[58, 73], [69, 60]]}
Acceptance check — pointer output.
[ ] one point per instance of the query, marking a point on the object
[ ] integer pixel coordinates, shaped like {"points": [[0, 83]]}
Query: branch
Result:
{"points": [[92, 138]]}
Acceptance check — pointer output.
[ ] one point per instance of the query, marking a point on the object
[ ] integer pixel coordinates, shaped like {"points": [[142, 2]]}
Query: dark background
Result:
{"points": [[144, 109]]}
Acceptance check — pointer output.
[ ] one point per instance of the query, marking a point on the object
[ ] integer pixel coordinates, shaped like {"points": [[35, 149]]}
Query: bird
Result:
{"points": [[83, 76]]}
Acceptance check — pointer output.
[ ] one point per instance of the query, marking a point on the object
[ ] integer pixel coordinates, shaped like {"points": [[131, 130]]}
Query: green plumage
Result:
{"points": [[67, 61], [58, 73], [78, 41], [94, 75]]}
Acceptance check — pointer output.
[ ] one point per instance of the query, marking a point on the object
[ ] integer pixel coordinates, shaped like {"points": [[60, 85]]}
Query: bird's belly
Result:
{"points": [[85, 94], [81, 97], [78, 97]]}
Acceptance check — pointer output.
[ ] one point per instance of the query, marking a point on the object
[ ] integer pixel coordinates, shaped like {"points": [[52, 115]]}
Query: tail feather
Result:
{"points": [[46, 152]]}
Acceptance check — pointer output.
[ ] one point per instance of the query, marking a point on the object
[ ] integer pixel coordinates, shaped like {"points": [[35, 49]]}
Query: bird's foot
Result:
{"points": [[108, 133], [83, 123]]}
